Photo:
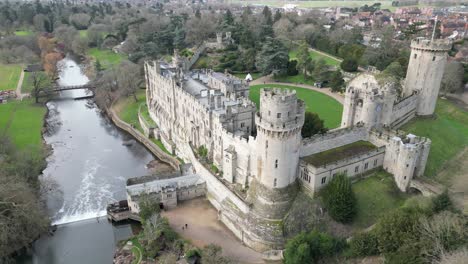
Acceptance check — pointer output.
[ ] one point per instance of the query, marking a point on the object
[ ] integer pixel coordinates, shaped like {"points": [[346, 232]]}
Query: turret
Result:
{"points": [[425, 70], [279, 124]]}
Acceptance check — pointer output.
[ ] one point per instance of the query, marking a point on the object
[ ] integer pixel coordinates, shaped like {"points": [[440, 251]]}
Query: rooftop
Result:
{"points": [[340, 153]]}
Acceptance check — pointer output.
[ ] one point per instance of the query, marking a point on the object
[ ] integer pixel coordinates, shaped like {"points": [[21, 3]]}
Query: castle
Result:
{"points": [[262, 153]]}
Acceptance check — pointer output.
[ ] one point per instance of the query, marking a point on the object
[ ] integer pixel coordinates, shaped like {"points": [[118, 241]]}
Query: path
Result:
{"points": [[204, 228], [327, 91], [19, 95]]}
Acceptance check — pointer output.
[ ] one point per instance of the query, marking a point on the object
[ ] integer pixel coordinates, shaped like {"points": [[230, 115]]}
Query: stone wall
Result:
{"points": [[403, 111], [163, 156], [332, 139]]}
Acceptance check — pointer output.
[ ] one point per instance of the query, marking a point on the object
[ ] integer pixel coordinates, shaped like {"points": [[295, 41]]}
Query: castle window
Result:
{"points": [[274, 183], [345, 171], [366, 165], [242, 124], [324, 179], [266, 144], [334, 174], [375, 162], [405, 177], [356, 169], [269, 113], [433, 58], [276, 164], [407, 165], [415, 56], [278, 115]]}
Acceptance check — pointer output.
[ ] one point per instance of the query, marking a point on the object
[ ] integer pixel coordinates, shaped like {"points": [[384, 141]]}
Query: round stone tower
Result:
{"points": [[279, 124], [425, 71]]}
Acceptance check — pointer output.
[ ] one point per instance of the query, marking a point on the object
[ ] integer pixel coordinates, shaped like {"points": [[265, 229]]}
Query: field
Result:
{"points": [[107, 57], [22, 121], [27, 83], [449, 135], [375, 196], [23, 33], [315, 55], [326, 107], [83, 33], [9, 76]]}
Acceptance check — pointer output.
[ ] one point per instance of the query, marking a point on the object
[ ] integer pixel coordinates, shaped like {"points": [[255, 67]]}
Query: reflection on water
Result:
{"points": [[89, 167]]}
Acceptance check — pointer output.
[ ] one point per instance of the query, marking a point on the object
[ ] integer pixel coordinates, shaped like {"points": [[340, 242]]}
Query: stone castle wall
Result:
{"points": [[332, 139], [403, 111]]}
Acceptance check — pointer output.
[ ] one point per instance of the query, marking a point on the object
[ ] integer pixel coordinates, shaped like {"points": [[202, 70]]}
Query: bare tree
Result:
{"points": [[129, 79], [38, 82]]}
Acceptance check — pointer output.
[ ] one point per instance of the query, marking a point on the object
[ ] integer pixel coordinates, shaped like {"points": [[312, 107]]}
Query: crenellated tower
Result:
{"points": [[279, 124], [425, 70]]}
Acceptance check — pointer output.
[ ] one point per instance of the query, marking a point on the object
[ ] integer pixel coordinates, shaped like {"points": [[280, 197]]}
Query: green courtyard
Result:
{"points": [[9, 76], [376, 195], [448, 131], [326, 107]]}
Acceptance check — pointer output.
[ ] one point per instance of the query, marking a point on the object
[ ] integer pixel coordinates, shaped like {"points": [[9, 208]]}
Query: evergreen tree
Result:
{"points": [[179, 38], [339, 199], [98, 65], [349, 65], [277, 16], [198, 14], [273, 58], [320, 72], [303, 58], [442, 202], [312, 125], [336, 82]]}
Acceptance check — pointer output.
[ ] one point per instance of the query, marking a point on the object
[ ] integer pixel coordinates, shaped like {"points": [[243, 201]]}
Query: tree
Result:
{"points": [[277, 16], [129, 79], [212, 254], [349, 65], [336, 81], [312, 125], [38, 82], [452, 80], [320, 72], [273, 58], [97, 65], [292, 68], [50, 64], [148, 207], [311, 247], [303, 58], [395, 229], [339, 199], [80, 21], [79, 45]]}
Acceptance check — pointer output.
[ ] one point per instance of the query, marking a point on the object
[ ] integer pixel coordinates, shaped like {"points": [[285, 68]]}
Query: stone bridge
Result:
{"points": [[425, 187]]}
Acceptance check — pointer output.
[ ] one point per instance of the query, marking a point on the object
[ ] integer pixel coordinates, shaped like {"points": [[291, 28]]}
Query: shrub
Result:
{"points": [[312, 125], [202, 151], [442, 202], [339, 199], [214, 168], [364, 244], [311, 247], [349, 65], [194, 252]]}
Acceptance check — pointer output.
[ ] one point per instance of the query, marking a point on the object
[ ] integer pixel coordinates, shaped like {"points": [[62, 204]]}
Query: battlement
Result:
{"points": [[431, 45], [278, 95]]}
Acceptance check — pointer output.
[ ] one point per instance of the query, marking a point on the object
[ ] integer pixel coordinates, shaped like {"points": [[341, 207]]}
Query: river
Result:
{"points": [[87, 170]]}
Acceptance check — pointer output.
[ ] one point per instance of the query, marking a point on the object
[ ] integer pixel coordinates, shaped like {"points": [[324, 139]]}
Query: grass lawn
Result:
{"points": [[83, 33], [316, 56], [9, 76], [26, 123], [127, 109], [27, 82], [448, 132], [326, 107], [23, 33], [299, 79], [107, 57], [375, 196]]}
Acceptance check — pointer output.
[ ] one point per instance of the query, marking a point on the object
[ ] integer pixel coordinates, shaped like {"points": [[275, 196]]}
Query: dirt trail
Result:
{"points": [[204, 228]]}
